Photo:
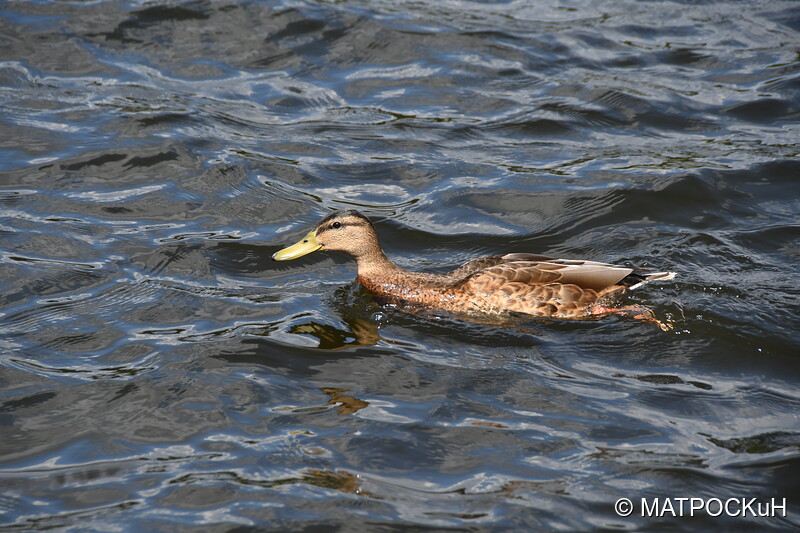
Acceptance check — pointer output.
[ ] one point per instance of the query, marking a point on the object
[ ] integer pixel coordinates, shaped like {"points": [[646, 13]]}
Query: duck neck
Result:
{"points": [[375, 264]]}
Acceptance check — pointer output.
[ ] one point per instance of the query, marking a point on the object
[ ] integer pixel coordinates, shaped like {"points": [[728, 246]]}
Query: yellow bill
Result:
{"points": [[306, 245]]}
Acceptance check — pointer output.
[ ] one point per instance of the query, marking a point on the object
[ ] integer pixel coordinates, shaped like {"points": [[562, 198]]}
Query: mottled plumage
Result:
{"points": [[497, 285]]}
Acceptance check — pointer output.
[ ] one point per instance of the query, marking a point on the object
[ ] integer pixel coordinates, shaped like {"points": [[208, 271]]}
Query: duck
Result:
{"points": [[497, 286]]}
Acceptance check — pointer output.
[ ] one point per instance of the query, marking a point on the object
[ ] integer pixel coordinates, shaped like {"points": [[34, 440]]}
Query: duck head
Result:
{"points": [[348, 231]]}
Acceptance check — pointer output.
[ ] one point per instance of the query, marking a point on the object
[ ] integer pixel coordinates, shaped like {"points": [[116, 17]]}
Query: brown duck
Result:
{"points": [[495, 286]]}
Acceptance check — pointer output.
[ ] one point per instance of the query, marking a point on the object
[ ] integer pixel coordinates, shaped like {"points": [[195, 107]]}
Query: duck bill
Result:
{"points": [[306, 245]]}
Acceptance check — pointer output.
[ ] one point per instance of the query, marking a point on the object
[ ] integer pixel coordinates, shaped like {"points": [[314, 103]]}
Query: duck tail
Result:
{"points": [[655, 276]]}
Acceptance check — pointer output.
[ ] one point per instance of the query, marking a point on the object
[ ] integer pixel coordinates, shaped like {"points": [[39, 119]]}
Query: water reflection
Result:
{"points": [[347, 404], [360, 332]]}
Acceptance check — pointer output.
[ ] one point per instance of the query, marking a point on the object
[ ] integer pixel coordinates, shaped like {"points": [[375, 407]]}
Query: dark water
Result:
{"points": [[160, 373]]}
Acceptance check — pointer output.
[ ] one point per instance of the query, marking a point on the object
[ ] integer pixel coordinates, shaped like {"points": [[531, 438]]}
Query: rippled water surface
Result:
{"points": [[158, 372]]}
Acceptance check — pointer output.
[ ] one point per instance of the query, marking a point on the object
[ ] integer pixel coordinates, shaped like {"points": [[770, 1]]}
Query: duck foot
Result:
{"points": [[637, 312]]}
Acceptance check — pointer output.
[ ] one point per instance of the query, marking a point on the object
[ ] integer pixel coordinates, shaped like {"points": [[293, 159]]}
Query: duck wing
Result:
{"points": [[533, 269], [540, 285], [482, 263]]}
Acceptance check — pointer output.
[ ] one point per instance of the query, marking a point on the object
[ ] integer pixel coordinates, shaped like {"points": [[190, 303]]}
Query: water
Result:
{"points": [[159, 372]]}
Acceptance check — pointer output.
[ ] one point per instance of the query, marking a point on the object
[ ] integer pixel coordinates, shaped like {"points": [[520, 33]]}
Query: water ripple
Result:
{"points": [[161, 372]]}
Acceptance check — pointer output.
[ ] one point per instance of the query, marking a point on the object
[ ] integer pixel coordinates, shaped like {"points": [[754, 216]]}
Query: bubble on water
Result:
{"points": [[379, 317]]}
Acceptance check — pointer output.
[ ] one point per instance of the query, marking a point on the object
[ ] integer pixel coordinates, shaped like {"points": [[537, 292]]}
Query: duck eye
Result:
{"points": [[336, 225]]}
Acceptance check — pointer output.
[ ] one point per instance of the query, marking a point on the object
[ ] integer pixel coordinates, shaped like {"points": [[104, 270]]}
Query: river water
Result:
{"points": [[158, 372]]}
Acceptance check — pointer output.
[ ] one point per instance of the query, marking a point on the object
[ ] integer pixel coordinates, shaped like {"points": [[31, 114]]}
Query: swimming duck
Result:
{"points": [[494, 286]]}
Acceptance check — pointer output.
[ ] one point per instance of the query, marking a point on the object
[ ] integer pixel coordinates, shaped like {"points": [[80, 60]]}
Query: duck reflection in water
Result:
{"points": [[362, 333]]}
